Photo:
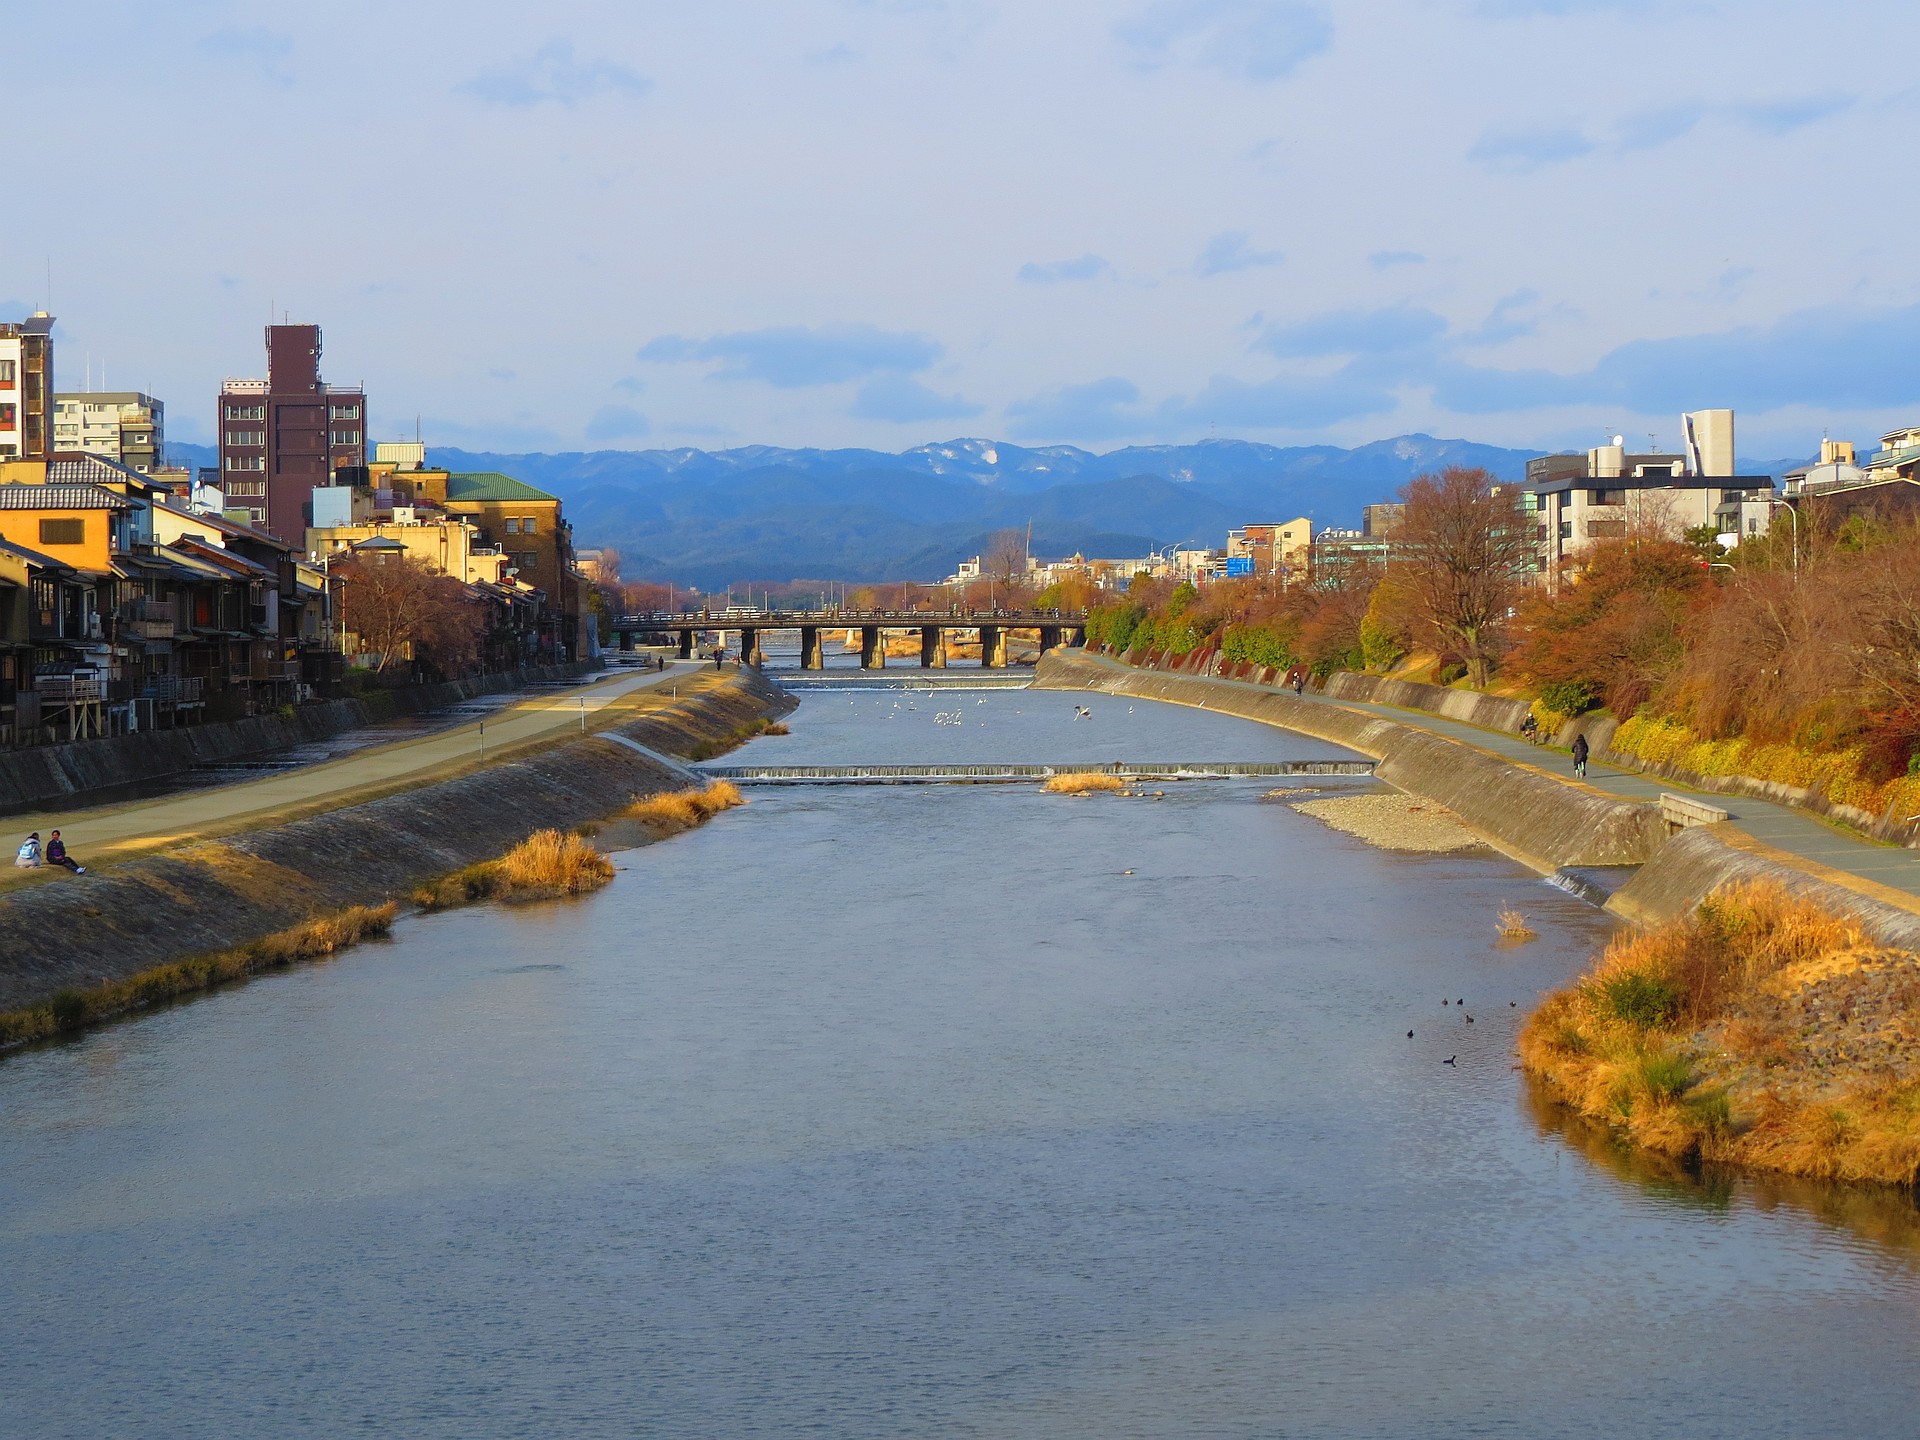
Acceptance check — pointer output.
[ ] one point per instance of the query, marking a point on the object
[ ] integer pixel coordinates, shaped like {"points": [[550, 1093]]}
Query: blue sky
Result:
{"points": [[878, 222]]}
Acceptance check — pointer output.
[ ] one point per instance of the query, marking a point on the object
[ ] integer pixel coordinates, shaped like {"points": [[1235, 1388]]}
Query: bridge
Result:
{"points": [[1053, 628]]}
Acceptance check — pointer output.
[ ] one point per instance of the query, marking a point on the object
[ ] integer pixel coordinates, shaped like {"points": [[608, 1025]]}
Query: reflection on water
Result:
{"points": [[1884, 1214], [932, 1110]]}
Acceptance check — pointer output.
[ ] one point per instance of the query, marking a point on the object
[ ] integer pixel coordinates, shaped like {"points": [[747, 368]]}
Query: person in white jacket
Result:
{"points": [[29, 856]]}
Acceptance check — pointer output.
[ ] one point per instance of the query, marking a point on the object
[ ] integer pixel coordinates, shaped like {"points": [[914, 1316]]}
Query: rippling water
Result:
{"points": [[919, 1111]]}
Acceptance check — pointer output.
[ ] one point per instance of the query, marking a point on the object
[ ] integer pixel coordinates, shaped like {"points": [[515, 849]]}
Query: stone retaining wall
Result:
{"points": [[116, 922], [46, 775], [1541, 821]]}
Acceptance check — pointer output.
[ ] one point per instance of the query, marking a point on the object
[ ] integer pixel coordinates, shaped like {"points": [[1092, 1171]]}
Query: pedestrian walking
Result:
{"points": [[1580, 756], [57, 855], [29, 856]]}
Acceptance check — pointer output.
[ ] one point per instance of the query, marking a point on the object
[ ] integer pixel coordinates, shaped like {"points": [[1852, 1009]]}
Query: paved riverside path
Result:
{"points": [[1779, 826], [104, 834]]}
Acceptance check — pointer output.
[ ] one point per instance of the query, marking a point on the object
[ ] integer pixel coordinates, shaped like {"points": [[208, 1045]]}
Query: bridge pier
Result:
{"points": [[1049, 638], [933, 647], [686, 643], [873, 650], [993, 648], [626, 641], [811, 655], [750, 651]]}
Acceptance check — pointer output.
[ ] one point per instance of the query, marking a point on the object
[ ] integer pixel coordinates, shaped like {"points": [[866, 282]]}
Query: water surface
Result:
{"points": [[916, 1111]]}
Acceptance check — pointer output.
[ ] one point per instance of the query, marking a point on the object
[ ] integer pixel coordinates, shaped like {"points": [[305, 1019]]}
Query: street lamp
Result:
{"points": [[1773, 505]]}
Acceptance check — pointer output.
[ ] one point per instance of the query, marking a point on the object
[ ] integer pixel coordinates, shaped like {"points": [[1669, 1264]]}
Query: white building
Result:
{"points": [[1611, 494], [120, 425]]}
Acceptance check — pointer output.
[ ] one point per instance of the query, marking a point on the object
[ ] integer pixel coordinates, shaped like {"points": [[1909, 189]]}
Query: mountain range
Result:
{"points": [[709, 518], [764, 513]]}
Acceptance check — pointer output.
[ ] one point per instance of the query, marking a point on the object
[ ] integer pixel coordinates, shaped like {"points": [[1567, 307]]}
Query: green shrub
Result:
{"points": [[1663, 1073], [1570, 697], [1639, 999], [69, 1008]]}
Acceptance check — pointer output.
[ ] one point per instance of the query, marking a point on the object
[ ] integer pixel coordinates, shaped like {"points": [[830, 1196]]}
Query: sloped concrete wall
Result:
{"points": [[113, 923], [54, 774], [1490, 712], [1701, 860], [1538, 819]]}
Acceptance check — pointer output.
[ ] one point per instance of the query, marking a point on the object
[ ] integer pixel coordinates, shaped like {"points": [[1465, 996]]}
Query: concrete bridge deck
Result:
{"points": [[1014, 774]]}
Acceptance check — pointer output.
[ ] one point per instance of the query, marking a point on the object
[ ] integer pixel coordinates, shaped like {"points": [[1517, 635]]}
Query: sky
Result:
{"points": [[882, 222]]}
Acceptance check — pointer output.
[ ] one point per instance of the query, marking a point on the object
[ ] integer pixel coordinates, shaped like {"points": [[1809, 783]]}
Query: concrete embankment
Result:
{"points": [[1541, 821], [55, 774], [116, 922]]}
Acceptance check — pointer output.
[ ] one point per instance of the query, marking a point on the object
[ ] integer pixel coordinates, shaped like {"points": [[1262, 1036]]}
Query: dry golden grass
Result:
{"points": [[683, 809], [72, 1010], [1084, 784], [1708, 1037], [545, 866], [1513, 925]]}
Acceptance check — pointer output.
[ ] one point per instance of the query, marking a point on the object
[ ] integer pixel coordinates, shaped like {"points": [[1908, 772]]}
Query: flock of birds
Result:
{"points": [[1462, 1006]]}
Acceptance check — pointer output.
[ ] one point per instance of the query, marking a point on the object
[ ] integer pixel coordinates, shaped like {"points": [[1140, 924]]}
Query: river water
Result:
{"points": [[931, 1110]]}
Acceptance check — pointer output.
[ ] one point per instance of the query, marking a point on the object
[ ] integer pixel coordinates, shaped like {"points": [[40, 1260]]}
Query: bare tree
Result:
{"points": [[403, 608], [1005, 560], [1460, 545]]}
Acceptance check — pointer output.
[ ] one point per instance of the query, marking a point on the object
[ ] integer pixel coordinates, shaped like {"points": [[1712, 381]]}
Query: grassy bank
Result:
{"points": [[1084, 784], [1762, 1031], [72, 1010], [735, 738], [547, 865], [665, 815]]}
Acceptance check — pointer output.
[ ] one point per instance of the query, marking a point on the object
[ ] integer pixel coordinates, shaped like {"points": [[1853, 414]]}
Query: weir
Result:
{"points": [[1012, 774]]}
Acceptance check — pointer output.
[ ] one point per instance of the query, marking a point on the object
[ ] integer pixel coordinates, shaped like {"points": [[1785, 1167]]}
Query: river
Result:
{"points": [[919, 1110]]}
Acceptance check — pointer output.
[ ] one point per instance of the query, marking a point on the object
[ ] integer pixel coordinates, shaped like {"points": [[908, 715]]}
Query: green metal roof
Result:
{"points": [[489, 485]]}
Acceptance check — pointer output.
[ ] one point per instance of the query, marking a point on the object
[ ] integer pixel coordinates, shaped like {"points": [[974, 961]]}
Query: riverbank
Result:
{"points": [[1531, 814], [206, 897], [1761, 1030], [1538, 819]]}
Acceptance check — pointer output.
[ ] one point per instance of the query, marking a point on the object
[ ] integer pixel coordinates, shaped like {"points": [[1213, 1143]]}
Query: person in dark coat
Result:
{"points": [[57, 855], [1580, 756]]}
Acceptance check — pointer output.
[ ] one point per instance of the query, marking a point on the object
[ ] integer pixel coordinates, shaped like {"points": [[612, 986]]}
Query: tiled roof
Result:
{"points": [[34, 557], [59, 497], [490, 485], [75, 468]]}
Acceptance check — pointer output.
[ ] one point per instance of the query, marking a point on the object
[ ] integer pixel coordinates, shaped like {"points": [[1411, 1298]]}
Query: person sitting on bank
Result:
{"points": [[29, 856], [57, 855]]}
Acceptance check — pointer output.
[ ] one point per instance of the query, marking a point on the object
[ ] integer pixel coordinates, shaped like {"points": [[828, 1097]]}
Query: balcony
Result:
{"points": [[148, 629]]}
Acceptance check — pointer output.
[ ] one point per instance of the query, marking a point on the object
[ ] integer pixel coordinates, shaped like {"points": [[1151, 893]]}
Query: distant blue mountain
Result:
{"points": [[760, 512]]}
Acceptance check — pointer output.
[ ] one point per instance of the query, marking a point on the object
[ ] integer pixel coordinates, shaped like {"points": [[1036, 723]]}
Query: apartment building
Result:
{"points": [[121, 425], [26, 388], [1269, 549], [1610, 493], [282, 436]]}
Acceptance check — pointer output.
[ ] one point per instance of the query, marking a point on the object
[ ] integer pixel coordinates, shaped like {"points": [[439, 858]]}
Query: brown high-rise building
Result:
{"points": [[281, 436]]}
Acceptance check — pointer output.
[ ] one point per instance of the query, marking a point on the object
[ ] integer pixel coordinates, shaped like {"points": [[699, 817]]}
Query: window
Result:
{"points": [[246, 487], [7, 420], [346, 437], [1608, 497], [246, 437], [8, 370], [246, 462], [246, 412], [530, 560], [63, 532], [345, 412]]}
